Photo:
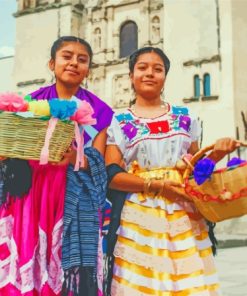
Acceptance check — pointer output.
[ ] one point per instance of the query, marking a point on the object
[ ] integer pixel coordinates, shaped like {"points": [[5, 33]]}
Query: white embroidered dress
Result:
{"points": [[163, 247]]}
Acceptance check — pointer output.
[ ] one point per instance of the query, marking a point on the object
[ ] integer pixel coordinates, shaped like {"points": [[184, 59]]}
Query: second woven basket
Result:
{"points": [[224, 195]]}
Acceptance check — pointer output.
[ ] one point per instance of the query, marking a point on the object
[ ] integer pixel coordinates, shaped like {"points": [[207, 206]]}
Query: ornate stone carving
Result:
{"points": [[155, 29], [121, 91], [97, 39]]}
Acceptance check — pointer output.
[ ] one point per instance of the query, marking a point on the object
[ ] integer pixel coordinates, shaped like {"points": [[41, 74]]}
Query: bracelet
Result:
{"points": [[160, 192], [146, 187]]}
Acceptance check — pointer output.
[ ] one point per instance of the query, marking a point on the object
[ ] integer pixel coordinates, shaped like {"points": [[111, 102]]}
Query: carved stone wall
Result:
{"points": [[104, 22], [121, 90]]}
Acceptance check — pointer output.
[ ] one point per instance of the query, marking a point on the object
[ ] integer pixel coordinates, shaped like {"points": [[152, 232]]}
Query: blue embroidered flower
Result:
{"points": [[203, 170], [62, 109], [124, 117], [234, 161], [180, 110]]}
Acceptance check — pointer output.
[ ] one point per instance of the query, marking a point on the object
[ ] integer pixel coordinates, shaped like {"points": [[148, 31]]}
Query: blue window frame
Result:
{"points": [[197, 91], [206, 85]]}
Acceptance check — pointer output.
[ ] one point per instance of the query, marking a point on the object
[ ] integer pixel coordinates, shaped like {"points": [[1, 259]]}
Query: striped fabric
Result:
{"points": [[162, 249], [106, 217], [84, 201]]}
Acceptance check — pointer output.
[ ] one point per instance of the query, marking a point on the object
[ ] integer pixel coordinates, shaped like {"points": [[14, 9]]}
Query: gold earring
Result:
{"points": [[53, 77]]}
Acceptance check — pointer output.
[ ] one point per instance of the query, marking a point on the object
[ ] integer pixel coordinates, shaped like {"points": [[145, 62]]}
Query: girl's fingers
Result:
{"points": [[174, 184]]}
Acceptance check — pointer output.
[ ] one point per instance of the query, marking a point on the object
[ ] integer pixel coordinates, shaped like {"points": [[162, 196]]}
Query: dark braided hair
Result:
{"points": [[60, 41], [134, 57]]}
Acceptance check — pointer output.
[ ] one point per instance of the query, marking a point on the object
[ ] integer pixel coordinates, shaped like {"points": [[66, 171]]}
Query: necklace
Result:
{"points": [[150, 111]]}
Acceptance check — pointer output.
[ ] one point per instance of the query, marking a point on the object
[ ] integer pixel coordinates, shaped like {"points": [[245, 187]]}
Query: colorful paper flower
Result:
{"points": [[12, 102], [41, 107], [84, 114], [62, 109], [234, 161], [203, 170], [28, 98]]}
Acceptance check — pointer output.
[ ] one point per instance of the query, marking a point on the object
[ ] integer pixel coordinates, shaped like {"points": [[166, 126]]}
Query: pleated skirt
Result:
{"points": [[163, 249]]}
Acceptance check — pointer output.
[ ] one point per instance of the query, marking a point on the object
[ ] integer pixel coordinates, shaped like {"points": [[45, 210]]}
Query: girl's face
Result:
{"points": [[148, 76], [71, 64]]}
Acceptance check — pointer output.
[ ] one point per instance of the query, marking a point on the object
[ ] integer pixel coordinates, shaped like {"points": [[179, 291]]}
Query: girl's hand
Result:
{"points": [[68, 157], [174, 191], [223, 147], [169, 189]]}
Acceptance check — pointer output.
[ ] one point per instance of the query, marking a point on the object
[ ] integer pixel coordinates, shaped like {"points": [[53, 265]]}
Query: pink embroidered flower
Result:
{"points": [[12, 102], [84, 114]]}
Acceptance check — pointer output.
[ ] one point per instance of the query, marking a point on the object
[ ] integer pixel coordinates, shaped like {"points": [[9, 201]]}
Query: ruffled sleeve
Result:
{"points": [[115, 135], [195, 130]]}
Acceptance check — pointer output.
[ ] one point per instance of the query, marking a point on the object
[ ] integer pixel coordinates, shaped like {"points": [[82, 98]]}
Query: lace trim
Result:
{"points": [[35, 272], [146, 221], [199, 226], [117, 289], [6, 229], [208, 264], [55, 271], [161, 224], [162, 264], [120, 290]]}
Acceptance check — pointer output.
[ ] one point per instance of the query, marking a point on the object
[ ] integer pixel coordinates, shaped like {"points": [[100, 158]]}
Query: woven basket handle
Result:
{"points": [[199, 155]]}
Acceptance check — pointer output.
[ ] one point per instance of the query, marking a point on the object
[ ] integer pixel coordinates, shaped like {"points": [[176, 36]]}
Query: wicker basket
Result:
{"points": [[24, 137], [224, 195]]}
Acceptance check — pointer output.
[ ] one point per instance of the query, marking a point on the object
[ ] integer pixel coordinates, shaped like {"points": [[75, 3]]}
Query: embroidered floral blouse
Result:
{"points": [[155, 142]]}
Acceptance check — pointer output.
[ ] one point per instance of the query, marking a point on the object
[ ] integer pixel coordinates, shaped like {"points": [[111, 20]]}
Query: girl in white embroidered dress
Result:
{"points": [[163, 246]]}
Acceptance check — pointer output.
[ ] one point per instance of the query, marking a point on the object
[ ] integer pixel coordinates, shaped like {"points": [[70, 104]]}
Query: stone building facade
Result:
{"points": [[113, 28], [115, 31], [206, 42]]}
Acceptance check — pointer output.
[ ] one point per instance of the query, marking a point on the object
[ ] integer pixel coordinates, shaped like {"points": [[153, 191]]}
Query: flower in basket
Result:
{"points": [[84, 114], [234, 161], [62, 109], [40, 108], [12, 102], [203, 170]]}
